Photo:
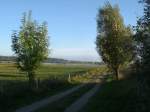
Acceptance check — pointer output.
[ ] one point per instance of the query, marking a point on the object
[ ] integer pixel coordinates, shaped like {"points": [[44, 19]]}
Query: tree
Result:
{"points": [[114, 39], [30, 44], [143, 36]]}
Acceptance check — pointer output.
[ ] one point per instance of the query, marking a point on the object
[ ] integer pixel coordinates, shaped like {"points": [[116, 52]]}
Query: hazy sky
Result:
{"points": [[71, 24]]}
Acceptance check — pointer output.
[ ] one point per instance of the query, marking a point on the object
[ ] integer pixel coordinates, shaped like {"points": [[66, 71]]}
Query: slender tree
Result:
{"points": [[30, 44], [114, 39]]}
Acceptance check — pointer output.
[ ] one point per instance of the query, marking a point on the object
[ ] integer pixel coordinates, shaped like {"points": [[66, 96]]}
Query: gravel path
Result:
{"points": [[44, 102], [81, 102]]}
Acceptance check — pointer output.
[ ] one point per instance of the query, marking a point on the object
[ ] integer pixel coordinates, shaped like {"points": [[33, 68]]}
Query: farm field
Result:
{"points": [[14, 91], [9, 71]]}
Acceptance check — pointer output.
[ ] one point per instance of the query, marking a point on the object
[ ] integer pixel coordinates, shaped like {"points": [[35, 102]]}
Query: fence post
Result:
{"points": [[69, 78]]}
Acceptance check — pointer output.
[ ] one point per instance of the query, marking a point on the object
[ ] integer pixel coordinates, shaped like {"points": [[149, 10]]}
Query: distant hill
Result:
{"points": [[7, 58], [49, 60]]}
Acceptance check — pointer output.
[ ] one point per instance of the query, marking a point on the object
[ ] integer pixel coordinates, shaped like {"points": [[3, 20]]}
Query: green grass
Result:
{"points": [[62, 104], [10, 72], [114, 96], [92, 74], [14, 89], [25, 97]]}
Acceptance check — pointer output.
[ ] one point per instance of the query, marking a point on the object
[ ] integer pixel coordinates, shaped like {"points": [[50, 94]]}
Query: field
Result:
{"points": [[52, 79], [119, 96], [10, 72]]}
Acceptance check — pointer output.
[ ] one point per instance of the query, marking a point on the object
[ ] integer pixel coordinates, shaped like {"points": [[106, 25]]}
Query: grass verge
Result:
{"points": [[114, 96], [25, 96]]}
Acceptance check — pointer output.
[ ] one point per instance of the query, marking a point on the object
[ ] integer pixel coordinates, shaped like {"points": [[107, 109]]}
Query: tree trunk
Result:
{"points": [[31, 77], [117, 73]]}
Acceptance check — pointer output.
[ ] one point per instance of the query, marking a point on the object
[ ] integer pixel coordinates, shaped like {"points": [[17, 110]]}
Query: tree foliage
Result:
{"points": [[143, 36], [30, 44], [114, 39]]}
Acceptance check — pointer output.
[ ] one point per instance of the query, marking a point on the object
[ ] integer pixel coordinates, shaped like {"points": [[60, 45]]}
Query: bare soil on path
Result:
{"points": [[39, 104], [81, 102]]}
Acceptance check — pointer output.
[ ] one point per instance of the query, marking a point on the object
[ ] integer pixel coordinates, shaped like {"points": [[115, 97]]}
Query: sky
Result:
{"points": [[71, 24]]}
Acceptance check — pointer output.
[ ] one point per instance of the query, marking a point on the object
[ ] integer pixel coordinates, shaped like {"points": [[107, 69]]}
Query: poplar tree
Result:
{"points": [[30, 45], [114, 39]]}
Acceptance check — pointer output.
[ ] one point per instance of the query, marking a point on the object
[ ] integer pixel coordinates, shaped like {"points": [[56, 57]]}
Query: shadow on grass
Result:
{"points": [[15, 93], [65, 102], [114, 96]]}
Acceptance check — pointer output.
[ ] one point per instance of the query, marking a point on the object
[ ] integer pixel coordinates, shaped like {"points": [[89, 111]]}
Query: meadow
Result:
{"points": [[15, 92], [9, 71], [51, 79]]}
